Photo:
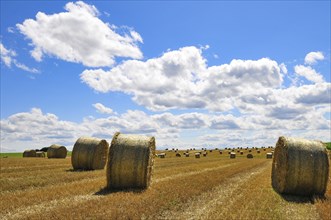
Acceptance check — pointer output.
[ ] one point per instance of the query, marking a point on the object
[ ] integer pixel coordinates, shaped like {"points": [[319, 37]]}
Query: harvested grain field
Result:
{"points": [[212, 187]]}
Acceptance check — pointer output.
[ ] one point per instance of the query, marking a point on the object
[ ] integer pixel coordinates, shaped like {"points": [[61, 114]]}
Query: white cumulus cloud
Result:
{"points": [[312, 57], [79, 36], [36, 129], [103, 109], [309, 73], [181, 79], [7, 55]]}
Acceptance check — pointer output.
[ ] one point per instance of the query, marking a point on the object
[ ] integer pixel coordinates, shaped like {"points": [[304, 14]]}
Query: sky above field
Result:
{"points": [[190, 73]]}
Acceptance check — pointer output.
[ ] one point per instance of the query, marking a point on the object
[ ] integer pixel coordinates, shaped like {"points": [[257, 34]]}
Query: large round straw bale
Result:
{"points": [[57, 151], [29, 153], [232, 155], [130, 161], [300, 167], [40, 154], [249, 156], [269, 155], [197, 155], [89, 153]]}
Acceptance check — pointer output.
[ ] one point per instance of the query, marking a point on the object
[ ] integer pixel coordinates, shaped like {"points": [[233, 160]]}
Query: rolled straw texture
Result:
{"points": [[57, 151], [89, 153], [130, 161], [249, 156], [29, 153], [300, 167], [40, 154]]}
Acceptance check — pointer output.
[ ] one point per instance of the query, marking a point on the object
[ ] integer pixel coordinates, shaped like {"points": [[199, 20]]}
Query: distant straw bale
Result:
{"points": [[89, 153], [29, 153], [269, 155], [40, 154], [232, 155], [197, 155], [300, 167], [249, 156], [130, 161], [57, 151]]}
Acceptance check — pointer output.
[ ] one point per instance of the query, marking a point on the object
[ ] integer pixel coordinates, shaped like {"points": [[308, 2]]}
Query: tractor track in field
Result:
{"points": [[25, 212], [199, 207], [191, 173], [225, 195]]}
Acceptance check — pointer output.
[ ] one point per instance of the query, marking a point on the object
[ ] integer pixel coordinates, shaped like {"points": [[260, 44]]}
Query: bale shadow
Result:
{"points": [[302, 199], [105, 191]]}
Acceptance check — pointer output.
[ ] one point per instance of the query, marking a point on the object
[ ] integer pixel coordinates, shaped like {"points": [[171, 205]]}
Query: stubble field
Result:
{"points": [[212, 187]]}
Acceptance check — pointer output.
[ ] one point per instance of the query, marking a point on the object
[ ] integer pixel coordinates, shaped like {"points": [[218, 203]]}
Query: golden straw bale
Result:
{"points": [[269, 155], [89, 153], [130, 161], [249, 156], [232, 155], [197, 155], [300, 167], [29, 153], [40, 154], [57, 151]]}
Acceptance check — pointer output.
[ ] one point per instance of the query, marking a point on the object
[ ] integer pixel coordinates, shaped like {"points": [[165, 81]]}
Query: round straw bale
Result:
{"points": [[130, 161], [40, 154], [232, 155], [300, 167], [249, 156], [197, 155], [89, 153], [57, 151], [221, 152], [241, 152], [29, 153], [178, 155], [269, 155]]}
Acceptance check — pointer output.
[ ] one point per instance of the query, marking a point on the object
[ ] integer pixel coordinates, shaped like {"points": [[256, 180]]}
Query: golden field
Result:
{"points": [[211, 187]]}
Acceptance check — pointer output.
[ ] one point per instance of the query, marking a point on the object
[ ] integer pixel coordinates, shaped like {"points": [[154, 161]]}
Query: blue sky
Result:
{"points": [[190, 73]]}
